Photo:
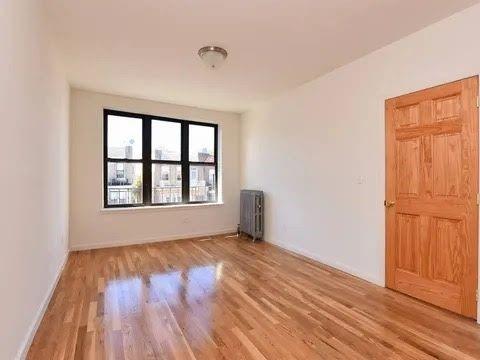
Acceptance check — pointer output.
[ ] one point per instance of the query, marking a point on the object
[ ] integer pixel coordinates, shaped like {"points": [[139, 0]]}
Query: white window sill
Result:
{"points": [[160, 207]]}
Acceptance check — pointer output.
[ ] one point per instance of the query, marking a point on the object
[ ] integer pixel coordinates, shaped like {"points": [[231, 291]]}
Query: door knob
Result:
{"points": [[388, 204]]}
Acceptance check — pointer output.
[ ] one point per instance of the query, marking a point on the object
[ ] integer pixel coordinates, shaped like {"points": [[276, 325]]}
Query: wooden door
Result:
{"points": [[431, 195]]}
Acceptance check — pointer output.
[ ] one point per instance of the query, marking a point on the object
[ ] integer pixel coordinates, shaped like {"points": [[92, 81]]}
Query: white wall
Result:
{"points": [[34, 171], [91, 227], [307, 148]]}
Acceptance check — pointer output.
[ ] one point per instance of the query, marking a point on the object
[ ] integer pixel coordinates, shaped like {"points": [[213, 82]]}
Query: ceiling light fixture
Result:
{"points": [[212, 56]]}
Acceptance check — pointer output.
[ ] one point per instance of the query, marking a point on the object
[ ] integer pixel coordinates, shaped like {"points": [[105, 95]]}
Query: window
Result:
{"points": [[201, 143], [120, 171], [165, 173], [166, 183], [151, 160]]}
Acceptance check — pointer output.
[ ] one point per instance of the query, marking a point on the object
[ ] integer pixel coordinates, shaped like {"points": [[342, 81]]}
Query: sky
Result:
{"points": [[123, 131]]}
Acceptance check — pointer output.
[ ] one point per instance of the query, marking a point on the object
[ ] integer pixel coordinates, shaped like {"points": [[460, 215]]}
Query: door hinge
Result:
{"points": [[478, 199], [476, 295], [478, 101]]}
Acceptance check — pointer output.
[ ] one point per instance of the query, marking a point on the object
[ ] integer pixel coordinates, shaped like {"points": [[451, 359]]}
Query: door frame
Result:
{"points": [[388, 113]]}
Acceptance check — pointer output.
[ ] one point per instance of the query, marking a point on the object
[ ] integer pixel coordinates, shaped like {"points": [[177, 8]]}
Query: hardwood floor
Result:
{"points": [[231, 299]]}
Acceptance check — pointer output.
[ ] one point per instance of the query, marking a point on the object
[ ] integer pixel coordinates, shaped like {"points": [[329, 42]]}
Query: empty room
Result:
{"points": [[249, 179]]}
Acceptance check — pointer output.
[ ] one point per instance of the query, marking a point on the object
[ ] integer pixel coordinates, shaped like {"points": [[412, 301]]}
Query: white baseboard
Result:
{"points": [[22, 352], [347, 269], [79, 247]]}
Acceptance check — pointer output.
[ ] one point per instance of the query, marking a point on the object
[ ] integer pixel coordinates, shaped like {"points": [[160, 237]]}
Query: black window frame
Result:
{"points": [[147, 161]]}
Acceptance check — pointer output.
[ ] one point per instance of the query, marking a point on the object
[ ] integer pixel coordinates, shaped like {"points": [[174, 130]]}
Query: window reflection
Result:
{"points": [[180, 293]]}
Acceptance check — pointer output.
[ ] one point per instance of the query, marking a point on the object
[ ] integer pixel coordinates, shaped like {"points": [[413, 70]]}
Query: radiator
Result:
{"points": [[251, 213]]}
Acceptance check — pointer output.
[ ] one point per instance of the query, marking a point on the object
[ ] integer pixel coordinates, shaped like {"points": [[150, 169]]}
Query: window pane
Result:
{"points": [[203, 183], [166, 140], [166, 183], [201, 143], [124, 137], [124, 183]]}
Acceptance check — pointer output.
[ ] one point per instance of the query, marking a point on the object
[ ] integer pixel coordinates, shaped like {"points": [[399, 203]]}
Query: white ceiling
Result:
{"points": [[148, 48]]}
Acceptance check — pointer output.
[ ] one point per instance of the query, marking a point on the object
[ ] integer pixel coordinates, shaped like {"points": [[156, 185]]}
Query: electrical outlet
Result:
{"points": [[361, 179]]}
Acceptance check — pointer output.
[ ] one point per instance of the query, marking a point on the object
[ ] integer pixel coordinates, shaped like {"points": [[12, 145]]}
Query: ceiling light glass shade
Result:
{"points": [[212, 56]]}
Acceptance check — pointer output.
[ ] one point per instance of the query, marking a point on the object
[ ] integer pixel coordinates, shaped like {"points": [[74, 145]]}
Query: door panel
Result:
{"points": [[447, 172], [449, 253], [408, 235], [408, 169], [432, 182], [407, 116]]}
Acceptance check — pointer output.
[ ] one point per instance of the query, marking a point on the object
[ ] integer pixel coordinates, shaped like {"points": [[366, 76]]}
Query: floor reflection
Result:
{"points": [[123, 296], [187, 294]]}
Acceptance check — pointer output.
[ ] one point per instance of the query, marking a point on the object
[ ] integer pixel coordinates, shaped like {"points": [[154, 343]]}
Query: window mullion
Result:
{"points": [[147, 160], [215, 158], [105, 158], [185, 164]]}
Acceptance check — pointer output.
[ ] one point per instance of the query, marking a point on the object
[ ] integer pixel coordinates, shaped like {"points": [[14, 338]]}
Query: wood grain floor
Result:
{"points": [[231, 299]]}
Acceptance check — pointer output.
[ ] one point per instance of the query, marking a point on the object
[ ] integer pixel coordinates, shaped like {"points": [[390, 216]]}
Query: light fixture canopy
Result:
{"points": [[212, 56]]}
